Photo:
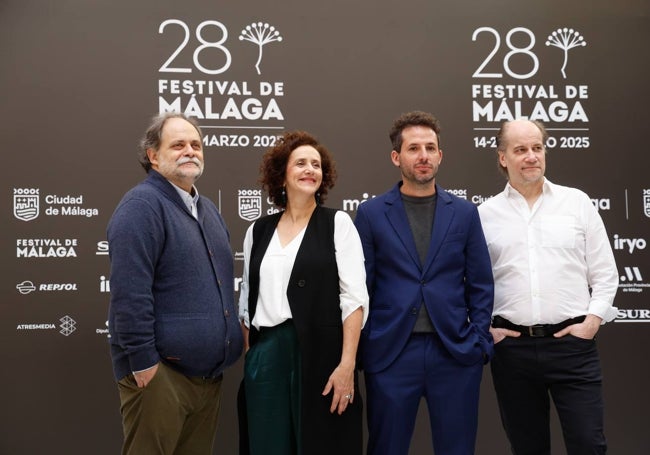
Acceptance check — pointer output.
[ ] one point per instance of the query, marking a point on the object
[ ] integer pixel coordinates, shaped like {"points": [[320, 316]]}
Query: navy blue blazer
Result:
{"points": [[455, 283]]}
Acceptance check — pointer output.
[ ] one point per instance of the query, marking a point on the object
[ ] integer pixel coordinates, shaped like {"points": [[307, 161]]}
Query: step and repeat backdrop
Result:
{"points": [[80, 80]]}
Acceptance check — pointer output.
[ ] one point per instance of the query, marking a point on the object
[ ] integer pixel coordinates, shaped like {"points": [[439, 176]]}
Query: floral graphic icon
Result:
{"points": [[260, 34], [565, 39]]}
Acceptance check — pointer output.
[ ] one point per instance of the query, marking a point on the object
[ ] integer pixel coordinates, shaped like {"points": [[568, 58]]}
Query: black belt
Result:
{"points": [[537, 330]]}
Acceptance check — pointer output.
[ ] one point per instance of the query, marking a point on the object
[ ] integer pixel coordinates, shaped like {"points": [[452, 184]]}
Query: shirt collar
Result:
{"points": [[187, 198], [547, 188]]}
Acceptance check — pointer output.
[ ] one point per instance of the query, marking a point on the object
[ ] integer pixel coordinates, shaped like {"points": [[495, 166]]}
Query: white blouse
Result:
{"points": [[272, 302]]}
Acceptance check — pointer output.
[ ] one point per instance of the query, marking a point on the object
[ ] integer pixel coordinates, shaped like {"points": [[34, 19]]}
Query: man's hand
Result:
{"points": [[586, 329], [142, 378], [500, 334]]}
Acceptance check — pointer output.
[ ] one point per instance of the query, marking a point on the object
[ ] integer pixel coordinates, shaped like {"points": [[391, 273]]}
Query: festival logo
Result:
{"points": [[261, 35], [196, 79], [507, 85], [565, 39], [46, 248]]}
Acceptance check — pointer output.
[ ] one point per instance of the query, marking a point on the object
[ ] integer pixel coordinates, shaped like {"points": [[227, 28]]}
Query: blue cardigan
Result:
{"points": [[172, 296]]}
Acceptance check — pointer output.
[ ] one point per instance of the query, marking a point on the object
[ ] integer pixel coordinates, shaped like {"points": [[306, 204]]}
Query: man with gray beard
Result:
{"points": [[172, 317]]}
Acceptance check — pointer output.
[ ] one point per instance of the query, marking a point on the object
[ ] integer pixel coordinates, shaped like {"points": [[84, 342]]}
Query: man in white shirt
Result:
{"points": [[555, 281]]}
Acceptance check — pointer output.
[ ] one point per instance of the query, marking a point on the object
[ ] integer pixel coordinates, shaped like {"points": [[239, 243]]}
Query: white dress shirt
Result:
{"points": [[275, 270], [189, 200], [552, 262]]}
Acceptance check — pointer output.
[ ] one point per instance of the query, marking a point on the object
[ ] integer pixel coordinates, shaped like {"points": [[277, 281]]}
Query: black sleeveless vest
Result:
{"points": [[313, 295]]}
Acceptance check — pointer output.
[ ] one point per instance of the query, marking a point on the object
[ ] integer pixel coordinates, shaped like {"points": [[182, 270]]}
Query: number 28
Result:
{"points": [[167, 68], [513, 51]]}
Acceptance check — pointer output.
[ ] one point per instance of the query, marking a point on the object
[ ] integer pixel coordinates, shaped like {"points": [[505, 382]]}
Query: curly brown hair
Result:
{"points": [[413, 118], [273, 169]]}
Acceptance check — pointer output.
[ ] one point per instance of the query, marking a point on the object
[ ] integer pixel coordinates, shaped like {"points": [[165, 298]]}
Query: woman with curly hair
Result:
{"points": [[303, 303]]}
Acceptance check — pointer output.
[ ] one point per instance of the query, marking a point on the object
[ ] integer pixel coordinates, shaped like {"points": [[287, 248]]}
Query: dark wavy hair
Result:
{"points": [[414, 118], [273, 169]]}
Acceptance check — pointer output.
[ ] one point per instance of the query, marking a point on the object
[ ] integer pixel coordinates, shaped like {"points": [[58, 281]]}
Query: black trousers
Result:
{"points": [[529, 372]]}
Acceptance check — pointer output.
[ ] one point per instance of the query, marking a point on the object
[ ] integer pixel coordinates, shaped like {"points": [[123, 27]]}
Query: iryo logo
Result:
{"points": [[628, 244]]}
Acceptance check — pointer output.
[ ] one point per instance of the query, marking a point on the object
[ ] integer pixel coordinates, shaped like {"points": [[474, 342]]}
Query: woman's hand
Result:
{"points": [[341, 381]]}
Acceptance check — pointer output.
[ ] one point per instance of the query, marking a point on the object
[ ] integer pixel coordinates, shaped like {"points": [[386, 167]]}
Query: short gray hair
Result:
{"points": [[153, 135]]}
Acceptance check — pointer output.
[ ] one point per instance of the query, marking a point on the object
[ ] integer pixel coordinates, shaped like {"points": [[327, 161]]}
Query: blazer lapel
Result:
{"points": [[396, 215], [441, 223]]}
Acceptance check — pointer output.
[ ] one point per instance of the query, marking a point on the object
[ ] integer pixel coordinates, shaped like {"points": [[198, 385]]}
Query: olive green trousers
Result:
{"points": [[173, 415]]}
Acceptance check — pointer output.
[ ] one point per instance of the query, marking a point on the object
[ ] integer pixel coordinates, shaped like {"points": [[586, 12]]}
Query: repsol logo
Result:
{"points": [[58, 287]]}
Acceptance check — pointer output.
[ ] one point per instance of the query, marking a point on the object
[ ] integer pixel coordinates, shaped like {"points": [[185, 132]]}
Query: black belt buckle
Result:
{"points": [[536, 331]]}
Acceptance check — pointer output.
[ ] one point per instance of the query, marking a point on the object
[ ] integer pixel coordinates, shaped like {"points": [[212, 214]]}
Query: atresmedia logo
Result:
{"points": [[67, 326]]}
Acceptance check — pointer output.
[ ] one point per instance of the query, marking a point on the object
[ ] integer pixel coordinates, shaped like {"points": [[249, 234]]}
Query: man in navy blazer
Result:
{"points": [[431, 292]]}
